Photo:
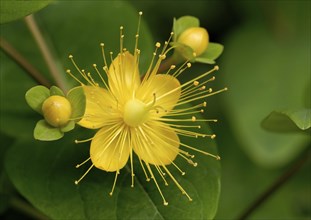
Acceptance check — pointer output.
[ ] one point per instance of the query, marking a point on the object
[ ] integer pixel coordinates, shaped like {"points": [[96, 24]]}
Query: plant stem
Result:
{"points": [[23, 63], [27, 209], [46, 52], [275, 186]]}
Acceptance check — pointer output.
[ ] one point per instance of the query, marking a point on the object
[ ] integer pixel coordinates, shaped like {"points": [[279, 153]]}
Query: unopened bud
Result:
{"points": [[196, 37], [56, 110]]}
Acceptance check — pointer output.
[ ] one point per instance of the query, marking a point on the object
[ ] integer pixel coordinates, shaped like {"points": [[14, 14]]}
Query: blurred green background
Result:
{"points": [[265, 65]]}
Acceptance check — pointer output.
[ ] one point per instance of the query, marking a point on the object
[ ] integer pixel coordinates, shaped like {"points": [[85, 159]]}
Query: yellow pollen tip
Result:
{"points": [[121, 27], [102, 44], [70, 56], [194, 54], [76, 182], [218, 157], [213, 136], [172, 33], [165, 203], [158, 45], [188, 65], [204, 104], [162, 56], [216, 67], [172, 67], [94, 65], [225, 89], [193, 118], [195, 83], [140, 13]]}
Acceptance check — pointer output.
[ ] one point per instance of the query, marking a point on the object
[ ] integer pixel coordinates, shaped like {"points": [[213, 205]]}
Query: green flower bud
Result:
{"points": [[56, 110], [196, 37]]}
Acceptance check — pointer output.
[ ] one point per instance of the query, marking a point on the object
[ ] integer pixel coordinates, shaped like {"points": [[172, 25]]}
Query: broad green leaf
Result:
{"points": [[12, 10], [51, 167], [288, 120], [70, 126], [77, 100], [54, 90], [213, 51], [262, 76], [45, 132], [36, 96], [183, 23]]}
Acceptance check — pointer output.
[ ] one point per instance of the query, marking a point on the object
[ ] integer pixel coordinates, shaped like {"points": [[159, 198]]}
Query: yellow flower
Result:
{"points": [[144, 116]]}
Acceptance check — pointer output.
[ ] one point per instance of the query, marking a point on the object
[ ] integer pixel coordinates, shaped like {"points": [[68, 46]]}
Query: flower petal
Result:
{"points": [[155, 143], [166, 89], [98, 108], [110, 148], [123, 75]]}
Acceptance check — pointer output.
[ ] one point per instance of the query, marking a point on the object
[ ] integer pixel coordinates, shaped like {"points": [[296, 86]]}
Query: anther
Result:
{"points": [[204, 104], [172, 33], [172, 67], [196, 83], [70, 56], [162, 56], [140, 13], [218, 157], [158, 45], [102, 44], [193, 118], [188, 65], [216, 67], [213, 136]]}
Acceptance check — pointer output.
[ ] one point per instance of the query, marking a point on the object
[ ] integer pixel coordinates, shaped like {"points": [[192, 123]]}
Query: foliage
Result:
{"points": [[264, 118]]}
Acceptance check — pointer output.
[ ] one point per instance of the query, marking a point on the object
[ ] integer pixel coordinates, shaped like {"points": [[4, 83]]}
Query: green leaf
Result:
{"points": [[276, 82], [36, 96], [77, 100], [45, 132], [183, 23], [51, 167], [288, 120], [70, 126], [54, 90], [213, 51], [12, 10]]}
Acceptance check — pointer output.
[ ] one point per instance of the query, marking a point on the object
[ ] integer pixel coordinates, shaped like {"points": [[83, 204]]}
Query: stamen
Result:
{"points": [[82, 73], [100, 75], [162, 174], [114, 183], [103, 53], [80, 164], [182, 172], [147, 177], [157, 185], [132, 168], [77, 181], [83, 141], [69, 72], [177, 184]]}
